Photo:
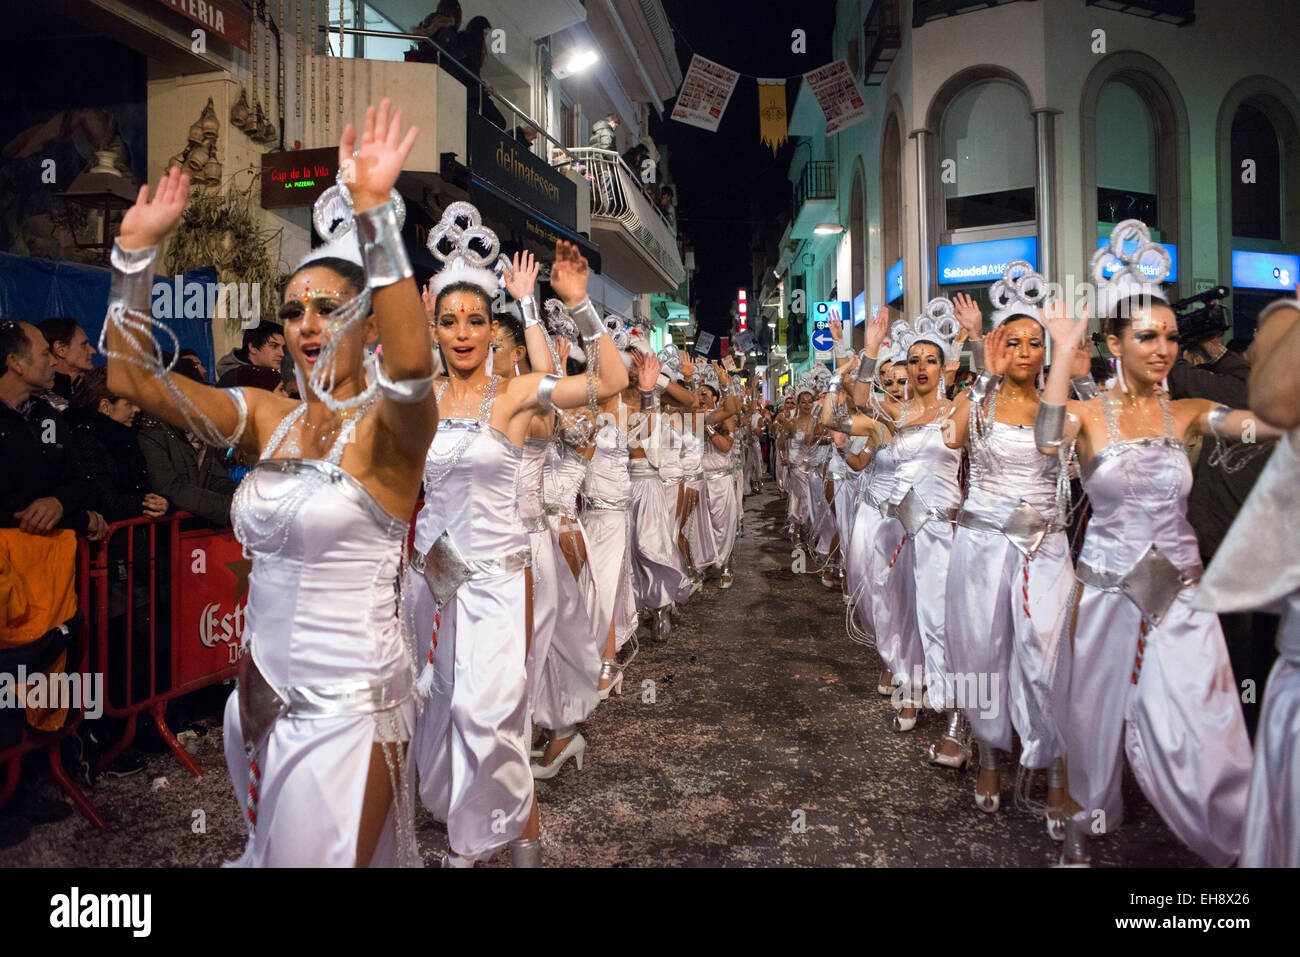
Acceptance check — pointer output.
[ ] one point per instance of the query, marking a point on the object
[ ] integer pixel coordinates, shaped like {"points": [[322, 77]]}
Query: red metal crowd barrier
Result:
{"points": [[206, 577]]}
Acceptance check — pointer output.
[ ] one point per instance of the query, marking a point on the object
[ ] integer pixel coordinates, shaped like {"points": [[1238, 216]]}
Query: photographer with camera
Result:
{"points": [[1207, 369]]}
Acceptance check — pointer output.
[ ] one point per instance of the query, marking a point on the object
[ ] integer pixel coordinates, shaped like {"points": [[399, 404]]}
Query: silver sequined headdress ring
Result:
{"points": [[1130, 278], [463, 262]]}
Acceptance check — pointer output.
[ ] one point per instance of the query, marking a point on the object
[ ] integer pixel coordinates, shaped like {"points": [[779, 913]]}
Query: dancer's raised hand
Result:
{"points": [[149, 221], [371, 167]]}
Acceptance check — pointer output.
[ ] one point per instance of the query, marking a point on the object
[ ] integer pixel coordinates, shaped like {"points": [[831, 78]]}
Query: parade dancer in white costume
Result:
{"points": [[565, 655], [317, 728], [472, 742], [1258, 566], [693, 537], [606, 498], [719, 467], [1150, 675], [796, 439], [1005, 611], [910, 574]]}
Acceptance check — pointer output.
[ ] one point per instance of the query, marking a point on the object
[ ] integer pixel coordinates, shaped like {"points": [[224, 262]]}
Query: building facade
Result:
{"points": [[1031, 127]]}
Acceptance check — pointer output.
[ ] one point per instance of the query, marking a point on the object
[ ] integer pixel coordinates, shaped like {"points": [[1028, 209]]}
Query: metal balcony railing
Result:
{"points": [[881, 38], [923, 11], [817, 181], [616, 194]]}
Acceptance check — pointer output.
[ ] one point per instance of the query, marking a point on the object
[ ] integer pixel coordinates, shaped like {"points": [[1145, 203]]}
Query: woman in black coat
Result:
{"points": [[103, 450]]}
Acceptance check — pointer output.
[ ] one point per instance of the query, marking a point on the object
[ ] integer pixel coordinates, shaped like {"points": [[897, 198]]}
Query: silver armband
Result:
{"points": [[837, 381], [528, 308], [382, 250], [842, 350], [841, 421], [866, 367], [406, 392], [660, 384], [588, 320], [1219, 421], [976, 355], [1049, 426], [1085, 387], [649, 400], [132, 283], [236, 396], [983, 384], [544, 391], [856, 444]]}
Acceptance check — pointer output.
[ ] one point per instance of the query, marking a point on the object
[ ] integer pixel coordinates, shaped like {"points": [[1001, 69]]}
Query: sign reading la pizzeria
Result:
{"points": [[297, 177], [220, 19]]}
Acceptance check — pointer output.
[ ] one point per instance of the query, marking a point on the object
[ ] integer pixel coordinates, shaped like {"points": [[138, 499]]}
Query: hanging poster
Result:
{"points": [[837, 94], [706, 90], [772, 126]]}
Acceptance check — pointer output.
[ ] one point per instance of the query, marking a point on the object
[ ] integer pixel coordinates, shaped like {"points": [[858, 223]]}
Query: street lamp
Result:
{"points": [[575, 62], [104, 189], [828, 229]]}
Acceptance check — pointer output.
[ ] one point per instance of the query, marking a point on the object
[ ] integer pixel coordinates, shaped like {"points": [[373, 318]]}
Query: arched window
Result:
{"points": [[987, 161], [1256, 176], [1128, 157]]}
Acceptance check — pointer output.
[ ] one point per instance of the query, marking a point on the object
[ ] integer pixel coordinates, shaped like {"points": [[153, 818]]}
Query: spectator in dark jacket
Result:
{"points": [[39, 490], [73, 357], [105, 451], [263, 346]]}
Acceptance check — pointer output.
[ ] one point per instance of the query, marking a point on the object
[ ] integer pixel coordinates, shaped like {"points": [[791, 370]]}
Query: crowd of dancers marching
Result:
{"points": [[948, 523], [575, 484], [570, 482]]}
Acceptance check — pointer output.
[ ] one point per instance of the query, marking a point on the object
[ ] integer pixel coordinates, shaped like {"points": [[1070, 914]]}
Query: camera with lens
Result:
{"points": [[1201, 317]]}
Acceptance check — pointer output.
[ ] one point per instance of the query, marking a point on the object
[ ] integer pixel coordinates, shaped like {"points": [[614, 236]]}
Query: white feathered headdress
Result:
{"points": [[1020, 292], [937, 326]]}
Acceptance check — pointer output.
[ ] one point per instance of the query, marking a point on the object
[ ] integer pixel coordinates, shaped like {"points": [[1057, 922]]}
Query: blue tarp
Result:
{"points": [[36, 289]]}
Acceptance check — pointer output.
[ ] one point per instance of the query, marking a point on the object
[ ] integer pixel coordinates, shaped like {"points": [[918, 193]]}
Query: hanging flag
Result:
{"points": [[771, 112], [706, 90], [837, 94]]}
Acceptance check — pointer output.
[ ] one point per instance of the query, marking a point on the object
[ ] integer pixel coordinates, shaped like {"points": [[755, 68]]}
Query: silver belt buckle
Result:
{"points": [[913, 512], [444, 569], [1152, 584], [1026, 528]]}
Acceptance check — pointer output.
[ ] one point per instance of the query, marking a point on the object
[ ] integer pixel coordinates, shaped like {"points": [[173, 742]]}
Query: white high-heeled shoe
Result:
{"points": [[959, 734], [574, 749]]}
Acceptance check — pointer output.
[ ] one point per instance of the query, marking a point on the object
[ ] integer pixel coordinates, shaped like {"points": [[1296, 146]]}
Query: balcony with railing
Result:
{"points": [[814, 198], [638, 245], [881, 38], [923, 11]]}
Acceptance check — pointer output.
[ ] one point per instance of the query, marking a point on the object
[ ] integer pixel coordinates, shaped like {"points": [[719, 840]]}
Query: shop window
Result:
{"points": [[987, 160], [1256, 176], [1128, 157]]}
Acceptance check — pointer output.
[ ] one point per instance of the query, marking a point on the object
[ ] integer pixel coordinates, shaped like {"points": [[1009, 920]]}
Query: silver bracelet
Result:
{"points": [[649, 400], [1049, 425], [837, 381], [587, 320], [841, 421], [976, 355], [382, 249], [1085, 387], [132, 283], [660, 384], [1219, 421], [528, 308], [983, 384], [406, 392], [866, 367], [544, 390]]}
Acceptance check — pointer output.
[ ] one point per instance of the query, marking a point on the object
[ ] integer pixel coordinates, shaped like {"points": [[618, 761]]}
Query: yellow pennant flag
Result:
{"points": [[771, 112]]}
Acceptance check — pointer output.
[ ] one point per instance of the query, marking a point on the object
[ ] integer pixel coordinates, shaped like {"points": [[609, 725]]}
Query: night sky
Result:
{"points": [[729, 179]]}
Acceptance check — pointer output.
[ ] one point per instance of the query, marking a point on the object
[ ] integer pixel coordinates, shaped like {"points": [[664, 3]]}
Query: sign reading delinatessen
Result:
{"points": [[506, 163]]}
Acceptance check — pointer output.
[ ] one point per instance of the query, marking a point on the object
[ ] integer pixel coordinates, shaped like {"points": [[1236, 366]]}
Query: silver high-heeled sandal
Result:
{"points": [[661, 624], [610, 671], [958, 733], [988, 803]]}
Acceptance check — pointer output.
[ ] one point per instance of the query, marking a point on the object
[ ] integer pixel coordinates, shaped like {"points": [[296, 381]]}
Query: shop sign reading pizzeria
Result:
{"points": [[298, 177], [223, 21]]}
